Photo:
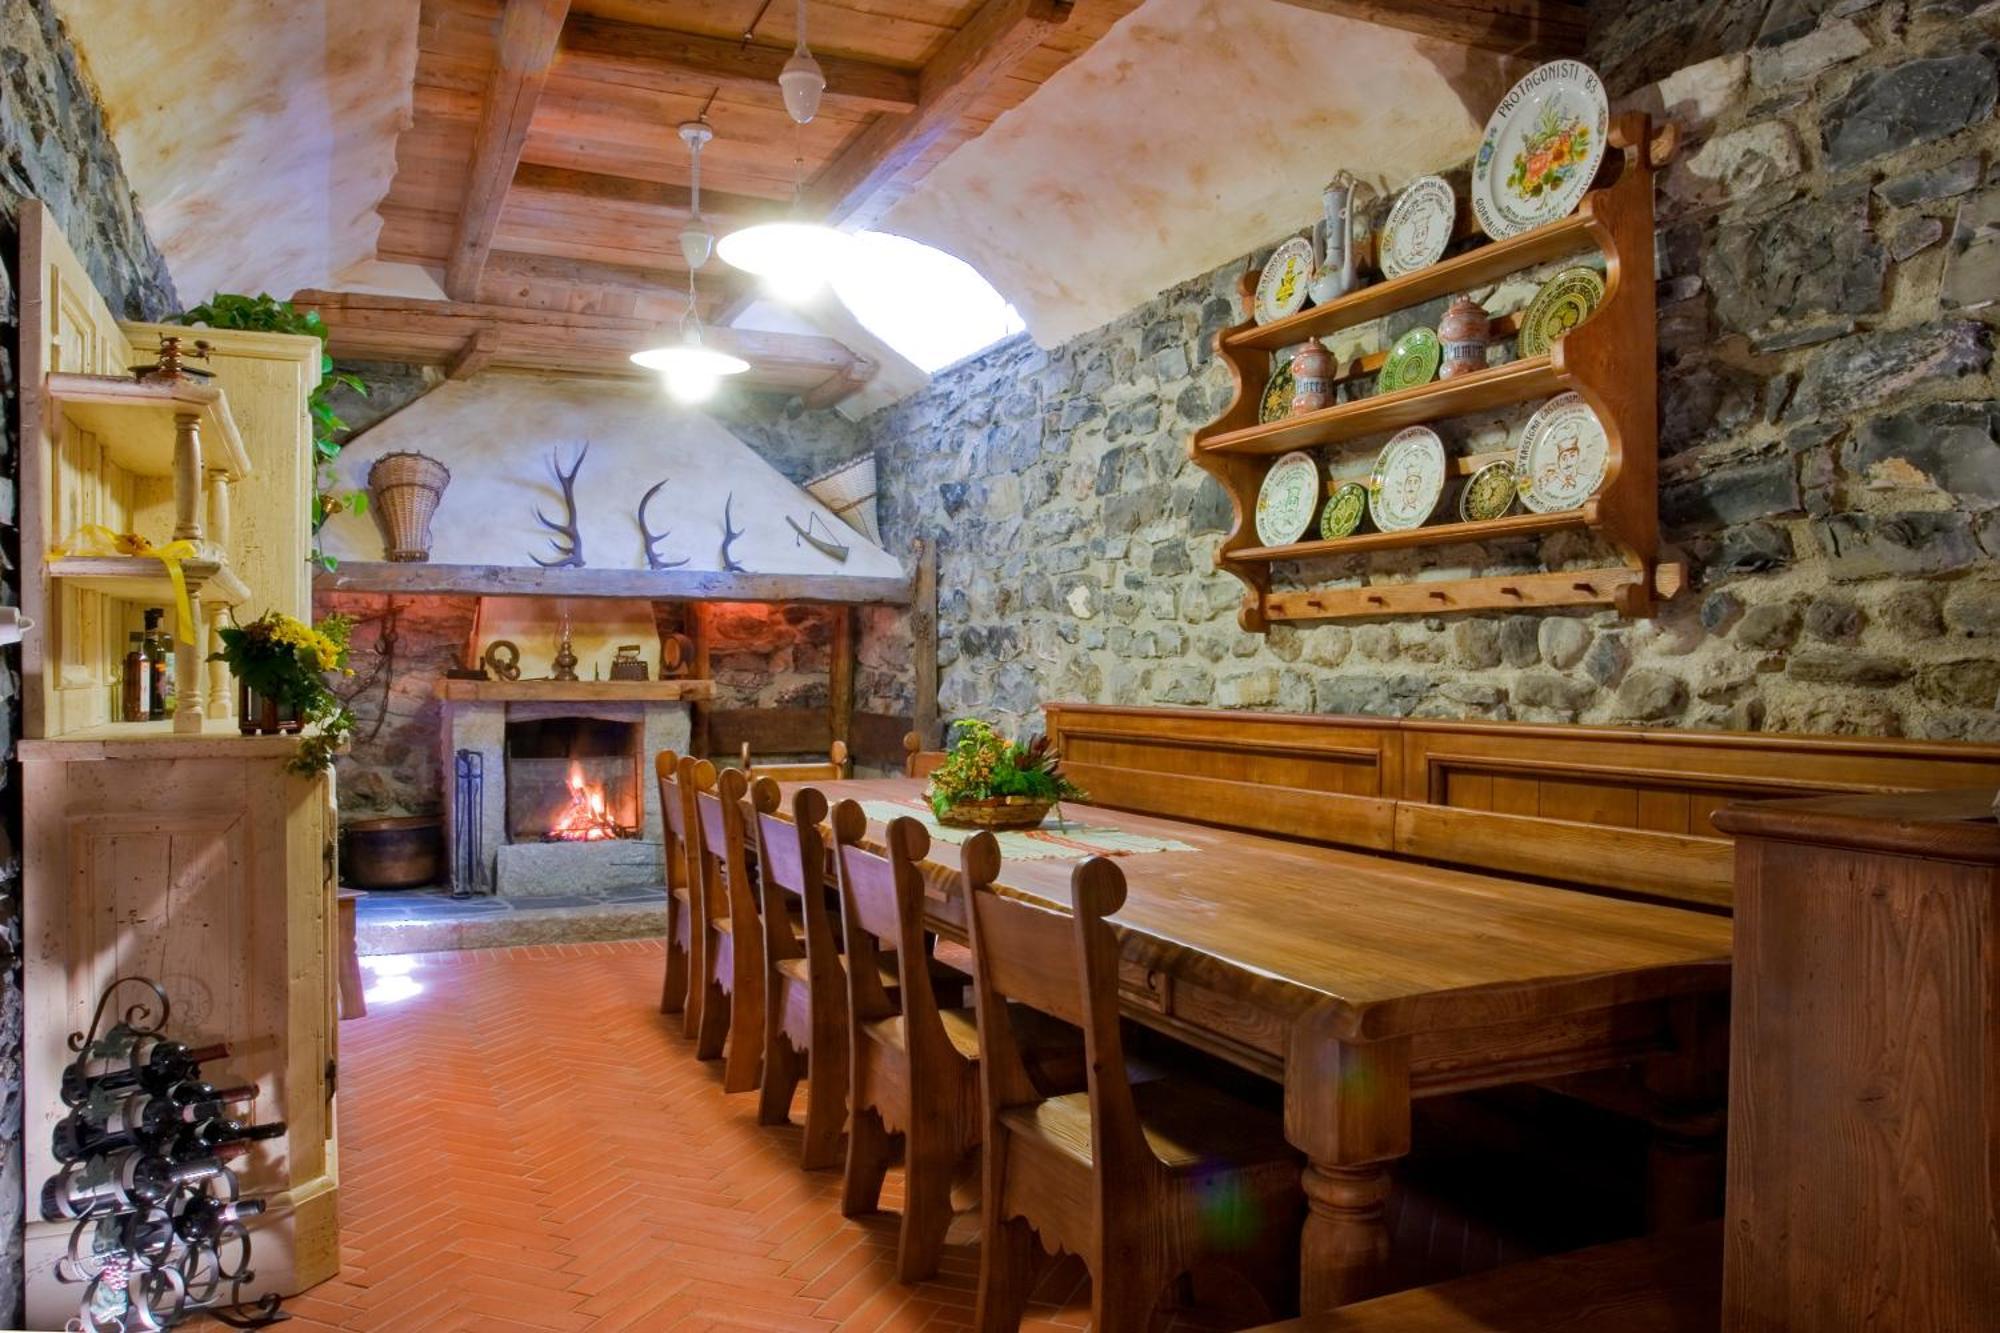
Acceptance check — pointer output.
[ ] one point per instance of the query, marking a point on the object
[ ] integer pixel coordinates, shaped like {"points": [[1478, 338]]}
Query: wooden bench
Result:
{"points": [[1670, 1283], [1619, 810]]}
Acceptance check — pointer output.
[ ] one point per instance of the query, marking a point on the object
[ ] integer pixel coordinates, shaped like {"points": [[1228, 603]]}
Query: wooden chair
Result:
{"points": [[730, 1022], [1144, 1182], [353, 991], [675, 775], [917, 761], [834, 769], [805, 1015], [913, 1071]]}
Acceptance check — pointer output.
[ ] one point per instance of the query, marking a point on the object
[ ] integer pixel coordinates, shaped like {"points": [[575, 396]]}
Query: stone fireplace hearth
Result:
{"points": [[531, 737]]}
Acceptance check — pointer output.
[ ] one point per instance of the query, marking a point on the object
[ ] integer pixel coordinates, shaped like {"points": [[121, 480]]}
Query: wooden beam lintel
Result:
{"points": [[1537, 28]]}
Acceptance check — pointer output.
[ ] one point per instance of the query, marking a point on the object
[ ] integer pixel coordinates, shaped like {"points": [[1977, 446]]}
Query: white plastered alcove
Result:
{"points": [[496, 432]]}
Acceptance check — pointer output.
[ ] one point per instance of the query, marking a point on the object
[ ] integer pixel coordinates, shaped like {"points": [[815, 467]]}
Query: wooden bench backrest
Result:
{"points": [[1620, 809]]}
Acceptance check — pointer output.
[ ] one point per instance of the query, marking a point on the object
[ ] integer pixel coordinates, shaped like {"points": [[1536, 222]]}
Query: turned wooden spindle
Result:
{"points": [[188, 473]]}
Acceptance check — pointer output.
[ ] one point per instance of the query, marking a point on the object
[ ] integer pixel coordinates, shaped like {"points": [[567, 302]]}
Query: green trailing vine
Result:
{"points": [[264, 313]]}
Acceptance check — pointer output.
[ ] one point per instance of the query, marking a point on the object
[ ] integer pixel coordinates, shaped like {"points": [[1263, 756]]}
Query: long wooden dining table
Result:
{"points": [[1364, 981]]}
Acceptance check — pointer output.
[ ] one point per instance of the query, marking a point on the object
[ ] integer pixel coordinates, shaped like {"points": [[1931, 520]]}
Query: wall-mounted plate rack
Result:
{"points": [[1610, 360]]}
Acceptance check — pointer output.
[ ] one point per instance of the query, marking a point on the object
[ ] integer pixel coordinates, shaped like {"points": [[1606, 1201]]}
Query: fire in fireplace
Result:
{"points": [[573, 779]]}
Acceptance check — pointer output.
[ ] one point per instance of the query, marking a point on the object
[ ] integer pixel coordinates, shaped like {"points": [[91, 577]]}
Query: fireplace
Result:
{"points": [[574, 779]]}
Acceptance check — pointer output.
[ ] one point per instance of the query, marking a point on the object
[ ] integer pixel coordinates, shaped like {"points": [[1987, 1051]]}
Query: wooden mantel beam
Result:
{"points": [[388, 328], [527, 48], [565, 184], [857, 187], [609, 51], [1538, 28]]}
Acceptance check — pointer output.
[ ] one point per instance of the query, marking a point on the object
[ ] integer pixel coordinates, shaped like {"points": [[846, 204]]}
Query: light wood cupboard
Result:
{"points": [[179, 850]]}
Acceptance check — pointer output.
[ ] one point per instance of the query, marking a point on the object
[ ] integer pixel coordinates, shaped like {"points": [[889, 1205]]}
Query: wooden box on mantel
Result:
{"points": [[178, 850]]}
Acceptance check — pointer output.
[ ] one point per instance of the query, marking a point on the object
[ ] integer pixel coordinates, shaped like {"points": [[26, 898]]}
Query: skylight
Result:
{"points": [[934, 309]]}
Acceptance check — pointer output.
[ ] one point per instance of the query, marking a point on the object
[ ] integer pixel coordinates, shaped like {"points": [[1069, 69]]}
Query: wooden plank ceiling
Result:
{"points": [[543, 174]]}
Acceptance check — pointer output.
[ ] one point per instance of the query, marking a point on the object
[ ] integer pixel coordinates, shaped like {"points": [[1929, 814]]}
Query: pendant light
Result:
{"points": [[793, 257], [691, 368]]}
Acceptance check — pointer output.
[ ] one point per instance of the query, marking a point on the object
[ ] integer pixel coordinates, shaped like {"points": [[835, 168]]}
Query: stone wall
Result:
{"points": [[53, 147], [1830, 449]]}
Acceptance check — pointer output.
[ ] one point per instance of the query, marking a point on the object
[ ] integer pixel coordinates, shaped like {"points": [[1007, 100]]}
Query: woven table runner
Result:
{"points": [[1055, 838]]}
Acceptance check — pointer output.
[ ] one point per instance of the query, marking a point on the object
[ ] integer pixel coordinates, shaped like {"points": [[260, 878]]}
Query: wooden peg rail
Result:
{"points": [[1609, 360]]}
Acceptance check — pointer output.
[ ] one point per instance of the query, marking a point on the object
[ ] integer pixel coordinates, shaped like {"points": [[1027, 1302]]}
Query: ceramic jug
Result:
{"points": [[1336, 271]]}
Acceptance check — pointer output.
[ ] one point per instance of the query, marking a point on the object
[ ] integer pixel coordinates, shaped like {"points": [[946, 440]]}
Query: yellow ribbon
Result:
{"points": [[96, 539]]}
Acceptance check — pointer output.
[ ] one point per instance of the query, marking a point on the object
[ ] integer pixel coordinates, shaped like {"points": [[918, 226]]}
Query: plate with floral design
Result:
{"points": [[1419, 226], [1408, 480], [1281, 289], [1288, 501], [1277, 401], [1412, 361], [1541, 149], [1562, 456]]}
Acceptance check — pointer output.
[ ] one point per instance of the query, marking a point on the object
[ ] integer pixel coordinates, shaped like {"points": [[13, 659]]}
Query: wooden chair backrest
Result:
{"points": [[836, 767], [917, 761], [1064, 964], [1624, 810], [723, 805], [791, 860], [674, 772], [882, 904]]}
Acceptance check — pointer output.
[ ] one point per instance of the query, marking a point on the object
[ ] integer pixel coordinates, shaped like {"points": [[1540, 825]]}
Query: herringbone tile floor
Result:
{"points": [[527, 1144]]}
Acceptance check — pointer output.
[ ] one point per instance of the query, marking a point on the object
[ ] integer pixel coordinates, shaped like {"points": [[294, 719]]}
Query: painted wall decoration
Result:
{"points": [[500, 434]]}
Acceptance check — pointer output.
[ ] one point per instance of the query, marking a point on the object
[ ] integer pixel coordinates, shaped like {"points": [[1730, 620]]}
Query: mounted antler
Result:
{"points": [[729, 535], [569, 555], [653, 558]]}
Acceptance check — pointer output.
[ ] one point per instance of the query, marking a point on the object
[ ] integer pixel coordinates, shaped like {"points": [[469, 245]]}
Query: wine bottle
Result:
{"points": [[183, 1104], [210, 1135], [154, 1067], [204, 1217]]}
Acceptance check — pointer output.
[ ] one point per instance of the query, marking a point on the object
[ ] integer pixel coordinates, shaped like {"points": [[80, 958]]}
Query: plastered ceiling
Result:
{"points": [[259, 135], [1192, 132]]}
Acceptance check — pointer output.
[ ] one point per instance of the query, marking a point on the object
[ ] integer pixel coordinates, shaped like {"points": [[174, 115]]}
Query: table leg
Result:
{"points": [[1686, 1098], [1347, 1107]]}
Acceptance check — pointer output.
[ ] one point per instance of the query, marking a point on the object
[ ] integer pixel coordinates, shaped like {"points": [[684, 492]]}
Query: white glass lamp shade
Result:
{"points": [[795, 259], [697, 243], [692, 371], [802, 84]]}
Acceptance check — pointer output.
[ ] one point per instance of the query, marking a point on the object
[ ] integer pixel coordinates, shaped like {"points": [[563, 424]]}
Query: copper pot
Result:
{"points": [[401, 852]]}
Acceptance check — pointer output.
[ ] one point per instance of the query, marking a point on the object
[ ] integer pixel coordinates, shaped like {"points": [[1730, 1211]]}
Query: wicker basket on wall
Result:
{"points": [[405, 489]]}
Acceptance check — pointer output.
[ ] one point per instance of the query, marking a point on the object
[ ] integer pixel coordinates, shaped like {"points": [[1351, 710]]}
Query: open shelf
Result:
{"points": [[1610, 361], [1502, 386], [1439, 534], [134, 420], [141, 578], [1448, 277]]}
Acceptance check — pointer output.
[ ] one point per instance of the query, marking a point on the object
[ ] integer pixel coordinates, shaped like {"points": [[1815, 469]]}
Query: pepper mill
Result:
{"points": [[1464, 331], [1312, 378]]}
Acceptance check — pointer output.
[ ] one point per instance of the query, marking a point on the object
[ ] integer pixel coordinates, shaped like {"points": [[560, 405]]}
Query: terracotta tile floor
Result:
{"points": [[527, 1144]]}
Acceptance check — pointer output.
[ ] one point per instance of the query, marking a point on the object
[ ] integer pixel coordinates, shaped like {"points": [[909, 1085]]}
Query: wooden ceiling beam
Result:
{"points": [[527, 47], [1537, 28], [857, 187], [388, 328], [608, 51], [533, 179]]}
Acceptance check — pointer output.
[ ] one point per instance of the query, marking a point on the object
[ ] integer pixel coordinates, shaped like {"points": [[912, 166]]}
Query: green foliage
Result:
{"points": [[982, 765], [264, 313], [287, 660]]}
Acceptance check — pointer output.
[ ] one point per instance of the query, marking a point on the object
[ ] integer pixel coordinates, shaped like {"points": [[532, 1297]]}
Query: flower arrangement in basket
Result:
{"points": [[281, 665], [988, 781]]}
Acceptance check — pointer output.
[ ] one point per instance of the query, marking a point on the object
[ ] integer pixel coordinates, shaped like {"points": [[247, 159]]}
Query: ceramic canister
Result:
{"points": [[1312, 377], [1464, 331]]}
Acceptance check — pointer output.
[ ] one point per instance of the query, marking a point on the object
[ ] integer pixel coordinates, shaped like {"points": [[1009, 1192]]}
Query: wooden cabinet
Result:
{"points": [[178, 850], [1864, 1125]]}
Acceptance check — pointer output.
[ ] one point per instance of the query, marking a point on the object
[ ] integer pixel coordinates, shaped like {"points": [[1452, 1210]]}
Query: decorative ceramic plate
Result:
{"points": [[1281, 290], [1564, 302], [1541, 149], [1412, 361], [1343, 511], [1408, 479], [1419, 227], [1288, 499], [1277, 403], [1561, 459], [1489, 493]]}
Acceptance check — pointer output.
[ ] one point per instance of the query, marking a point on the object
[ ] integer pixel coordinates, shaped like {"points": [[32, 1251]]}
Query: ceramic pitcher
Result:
{"points": [[1335, 234]]}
